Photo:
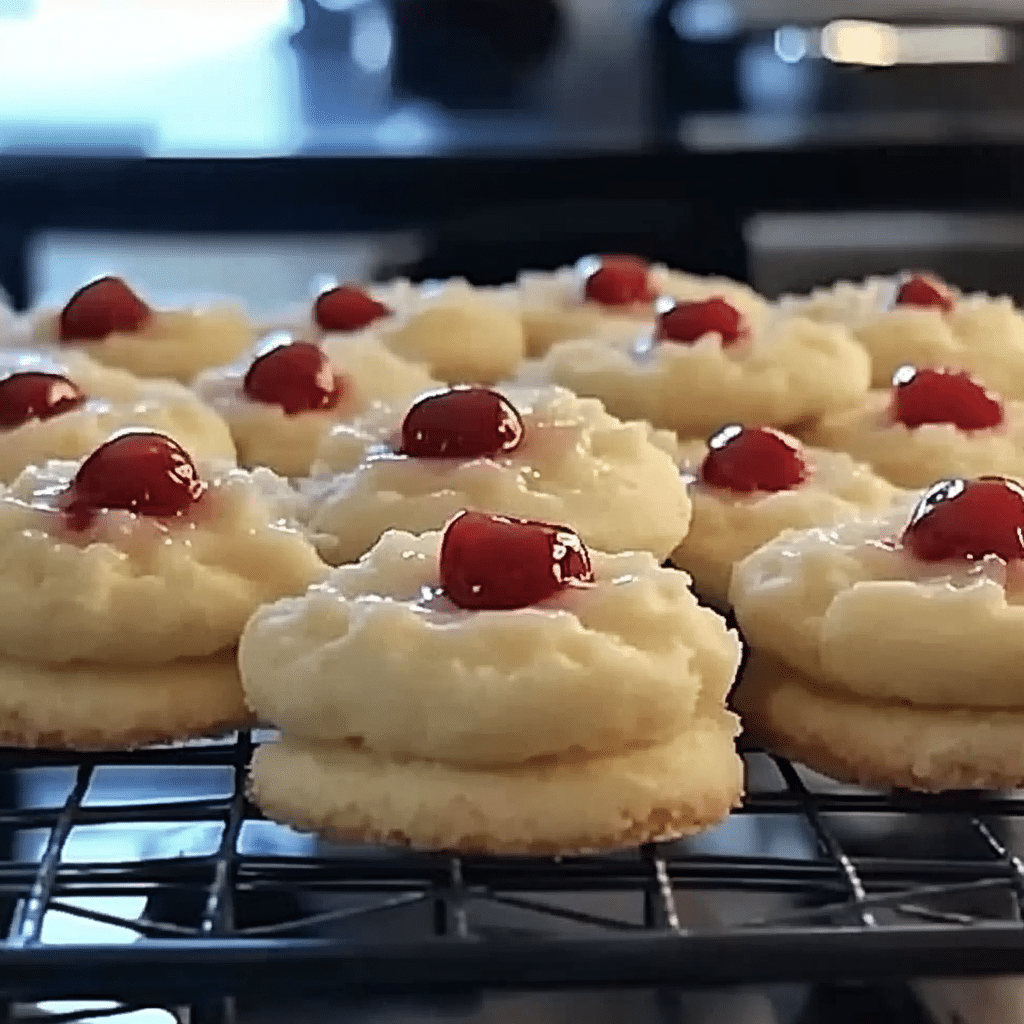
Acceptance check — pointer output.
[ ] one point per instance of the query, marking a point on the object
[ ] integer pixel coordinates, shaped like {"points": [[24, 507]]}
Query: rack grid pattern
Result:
{"points": [[838, 911]]}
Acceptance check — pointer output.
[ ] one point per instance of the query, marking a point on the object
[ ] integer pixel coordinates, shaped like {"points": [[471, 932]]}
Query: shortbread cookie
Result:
{"points": [[706, 363], [748, 484], [919, 320], [119, 329], [510, 690], [879, 744], [930, 424], [65, 405], [137, 566], [537, 454], [281, 401], [918, 614], [613, 298]]}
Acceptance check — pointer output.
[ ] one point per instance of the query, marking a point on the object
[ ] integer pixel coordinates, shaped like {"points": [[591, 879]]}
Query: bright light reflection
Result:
{"points": [[790, 44], [876, 44]]}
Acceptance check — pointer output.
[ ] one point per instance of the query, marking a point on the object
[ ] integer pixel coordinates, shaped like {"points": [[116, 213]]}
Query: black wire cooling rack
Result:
{"points": [[810, 881]]}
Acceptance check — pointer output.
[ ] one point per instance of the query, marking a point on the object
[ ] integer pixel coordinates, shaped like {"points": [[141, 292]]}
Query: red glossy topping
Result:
{"points": [[34, 395], [618, 281], [748, 459], [103, 307], [690, 321], [943, 396], [347, 308], [141, 471], [492, 562], [968, 519], [295, 375], [926, 292], [463, 423]]}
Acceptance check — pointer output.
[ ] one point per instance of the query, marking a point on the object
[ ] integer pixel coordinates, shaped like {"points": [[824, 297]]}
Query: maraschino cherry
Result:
{"points": [[295, 375], [925, 292], [943, 396], [749, 459], [495, 563], [462, 423], [968, 519], [688, 322], [101, 308], [34, 395], [617, 280], [347, 308], [139, 471]]}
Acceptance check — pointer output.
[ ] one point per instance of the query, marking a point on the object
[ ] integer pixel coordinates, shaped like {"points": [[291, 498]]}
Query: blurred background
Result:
{"points": [[249, 146]]}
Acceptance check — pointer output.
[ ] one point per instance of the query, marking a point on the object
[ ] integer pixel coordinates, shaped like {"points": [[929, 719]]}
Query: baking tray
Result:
{"points": [[810, 881]]}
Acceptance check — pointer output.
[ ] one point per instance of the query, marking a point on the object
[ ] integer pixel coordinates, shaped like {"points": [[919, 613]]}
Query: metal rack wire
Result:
{"points": [[809, 882]]}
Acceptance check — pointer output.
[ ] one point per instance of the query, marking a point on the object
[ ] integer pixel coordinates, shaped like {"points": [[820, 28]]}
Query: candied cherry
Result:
{"points": [[925, 292], [101, 308], [462, 423], [493, 562], [617, 280], [690, 321], [943, 396], [35, 395], [347, 308], [295, 375], [748, 459], [140, 471], [968, 519]]}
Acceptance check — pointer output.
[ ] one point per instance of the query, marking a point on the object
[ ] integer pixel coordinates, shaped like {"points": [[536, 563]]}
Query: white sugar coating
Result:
{"points": [[377, 654], [613, 482], [790, 370], [554, 308], [846, 606], [176, 344], [983, 333], [726, 526], [266, 435], [919, 456], [460, 334], [135, 590], [117, 400]]}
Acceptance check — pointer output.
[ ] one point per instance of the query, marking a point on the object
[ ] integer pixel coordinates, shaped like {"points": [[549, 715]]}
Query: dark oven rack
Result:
{"points": [[810, 881]]}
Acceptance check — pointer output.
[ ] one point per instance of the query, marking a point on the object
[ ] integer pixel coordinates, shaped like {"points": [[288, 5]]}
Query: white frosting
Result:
{"points": [[266, 435], [790, 370], [983, 333], [378, 655], [844, 606], [726, 526], [612, 482], [116, 400], [919, 456], [135, 590], [176, 344]]}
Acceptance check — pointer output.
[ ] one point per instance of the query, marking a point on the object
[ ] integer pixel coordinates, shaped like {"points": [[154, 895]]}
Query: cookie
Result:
{"points": [[282, 400], [496, 688], [536, 454], [749, 484]]}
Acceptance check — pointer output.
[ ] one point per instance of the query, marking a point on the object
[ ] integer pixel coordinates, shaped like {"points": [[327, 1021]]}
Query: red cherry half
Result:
{"points": [[296, 376], [925, 292], [103, 307], [33, 395], [748, 459], [140, 471], [968, 519], [943, 396], [618, 281], [690, 321], [495, 563], [347, 308], [463, 423]]}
